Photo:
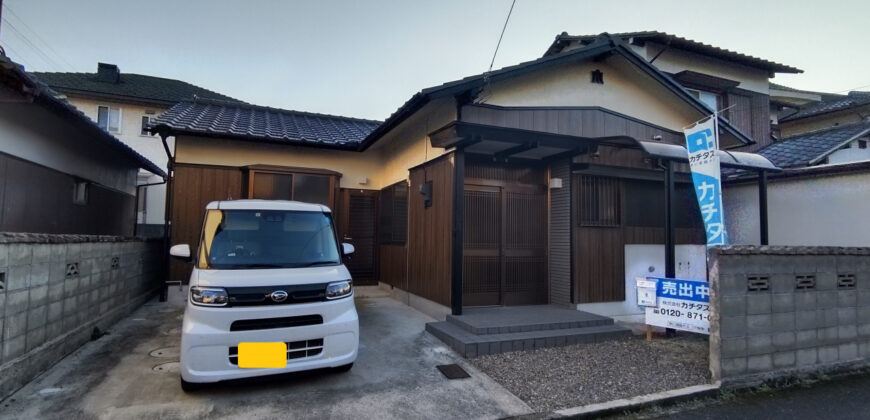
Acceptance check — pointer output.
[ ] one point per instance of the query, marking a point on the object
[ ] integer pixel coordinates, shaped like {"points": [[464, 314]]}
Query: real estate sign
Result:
{"points": [[702, 142], [681, 305]]}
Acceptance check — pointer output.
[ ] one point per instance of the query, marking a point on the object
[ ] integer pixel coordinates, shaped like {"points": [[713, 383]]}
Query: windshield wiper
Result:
{"points": [[258, 266], [313, 263]]}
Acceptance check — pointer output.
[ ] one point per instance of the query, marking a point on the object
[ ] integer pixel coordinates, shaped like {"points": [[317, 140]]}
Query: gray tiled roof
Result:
{"points": [[800, 150], [251, 122], [853, 99], [130, 87]]}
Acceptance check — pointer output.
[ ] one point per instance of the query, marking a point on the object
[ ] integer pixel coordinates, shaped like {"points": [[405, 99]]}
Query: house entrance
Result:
{"points": [[505, 236], [358, 226]]}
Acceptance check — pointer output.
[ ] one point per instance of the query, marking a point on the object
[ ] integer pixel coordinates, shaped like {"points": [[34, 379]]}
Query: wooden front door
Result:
{"points": [[358, 227], [505, 245]]}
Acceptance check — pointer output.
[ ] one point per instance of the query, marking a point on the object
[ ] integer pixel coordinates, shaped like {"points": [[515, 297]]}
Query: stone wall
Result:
{"points": [[55, 289], [782, 311]]}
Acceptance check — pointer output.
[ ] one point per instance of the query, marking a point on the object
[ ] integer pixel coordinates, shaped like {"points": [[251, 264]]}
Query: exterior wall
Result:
{"points": [[821, 122], [675, 60], [850, 154], [147, 145], [783, 330], [48, 308], [32, 133], [569, 85], [560, 234], [824, 210], [34, 198]]}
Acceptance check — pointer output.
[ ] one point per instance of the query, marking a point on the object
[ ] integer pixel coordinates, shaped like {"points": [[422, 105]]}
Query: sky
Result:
{"points": [[366, 58]]}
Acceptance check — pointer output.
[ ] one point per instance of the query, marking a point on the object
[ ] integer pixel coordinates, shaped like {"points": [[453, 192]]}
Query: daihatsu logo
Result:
{"points": [[279, 296]]}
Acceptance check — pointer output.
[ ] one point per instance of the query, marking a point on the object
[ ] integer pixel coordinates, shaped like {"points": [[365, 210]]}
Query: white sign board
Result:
{"points": [[646, 292], [681, 305]]}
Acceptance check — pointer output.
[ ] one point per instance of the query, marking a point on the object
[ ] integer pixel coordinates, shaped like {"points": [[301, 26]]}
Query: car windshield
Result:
{"points": [[239, 239]]}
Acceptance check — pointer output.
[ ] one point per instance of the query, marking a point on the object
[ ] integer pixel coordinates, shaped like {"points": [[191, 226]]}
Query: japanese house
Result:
{"points": [[519, 186]]}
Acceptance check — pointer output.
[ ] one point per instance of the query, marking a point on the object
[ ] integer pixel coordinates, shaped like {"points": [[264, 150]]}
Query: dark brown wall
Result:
{"points": [[429, 231], [393, 265], [599, 252], [750, 113], [193, 187], [37, 199]]}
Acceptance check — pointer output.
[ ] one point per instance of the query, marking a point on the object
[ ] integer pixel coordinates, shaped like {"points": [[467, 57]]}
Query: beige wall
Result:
{"points": [[804, 125], [675, 61], [625, 90], [383, 164]]}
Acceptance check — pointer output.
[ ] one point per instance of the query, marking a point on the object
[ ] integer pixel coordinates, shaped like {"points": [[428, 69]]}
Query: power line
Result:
{"points": [[38, 38], [502, 35], [849, 90], [32, 46]]}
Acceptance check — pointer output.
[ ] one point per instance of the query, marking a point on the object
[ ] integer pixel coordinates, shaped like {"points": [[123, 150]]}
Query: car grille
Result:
{"points": [[271, 323], [295, 350]]}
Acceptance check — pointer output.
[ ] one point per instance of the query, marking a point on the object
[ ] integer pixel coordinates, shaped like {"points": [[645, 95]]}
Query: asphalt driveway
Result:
{"points": [[132, 373]]}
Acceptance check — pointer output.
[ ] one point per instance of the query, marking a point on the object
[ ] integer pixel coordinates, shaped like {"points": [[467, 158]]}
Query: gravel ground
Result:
{"points": [[561, 377]]}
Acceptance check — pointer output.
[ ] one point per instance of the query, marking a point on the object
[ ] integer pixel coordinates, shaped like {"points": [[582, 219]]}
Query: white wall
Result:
{"points": [[850, 154], [828, 210]]}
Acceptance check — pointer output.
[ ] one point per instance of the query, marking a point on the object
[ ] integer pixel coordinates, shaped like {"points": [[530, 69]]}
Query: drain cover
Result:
{"points": [[453, 371], [169, 367], [167, 352]]}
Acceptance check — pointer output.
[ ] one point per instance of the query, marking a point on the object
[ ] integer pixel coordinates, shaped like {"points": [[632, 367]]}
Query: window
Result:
{"points": [[862, 144], [645, 205], [311, 188], [109, 118], [146, 119], [708, 98], [80, 193], [598, 201], [292, 186], [393, 211]]}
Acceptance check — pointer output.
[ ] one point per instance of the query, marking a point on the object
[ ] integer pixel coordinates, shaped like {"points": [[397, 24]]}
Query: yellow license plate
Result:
{"points": [[262, 355]]}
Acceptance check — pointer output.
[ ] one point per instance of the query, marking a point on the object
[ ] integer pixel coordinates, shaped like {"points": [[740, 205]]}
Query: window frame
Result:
{"points": [[253, 170], [142, 131], [109, 109], [614, 183], [700, 93]]}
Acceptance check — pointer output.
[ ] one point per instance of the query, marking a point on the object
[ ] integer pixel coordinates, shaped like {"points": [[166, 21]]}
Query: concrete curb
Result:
{"points": [[634, 403]]}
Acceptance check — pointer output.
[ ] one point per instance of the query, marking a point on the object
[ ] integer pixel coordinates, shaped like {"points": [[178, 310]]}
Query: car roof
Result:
{"points": [[266, 205]]}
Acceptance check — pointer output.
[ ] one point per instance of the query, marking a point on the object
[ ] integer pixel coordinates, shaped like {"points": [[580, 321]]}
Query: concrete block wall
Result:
{"points": [[54, 289], [781, 311]]}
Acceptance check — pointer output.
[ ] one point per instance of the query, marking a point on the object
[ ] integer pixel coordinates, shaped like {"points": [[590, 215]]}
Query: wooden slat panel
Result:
{"points": [[393, 264], [560, 235], [358, 224]]}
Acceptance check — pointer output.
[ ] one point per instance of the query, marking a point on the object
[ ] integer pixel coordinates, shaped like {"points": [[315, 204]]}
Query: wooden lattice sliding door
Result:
{"points": [[504, 242]]}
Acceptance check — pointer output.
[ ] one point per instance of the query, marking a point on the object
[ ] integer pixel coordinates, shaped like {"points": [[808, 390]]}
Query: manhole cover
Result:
{"points": [[168, 352], [169, 367], [453, 371]]}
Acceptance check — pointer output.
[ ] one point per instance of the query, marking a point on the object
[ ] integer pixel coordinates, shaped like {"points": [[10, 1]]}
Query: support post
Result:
{"points": [[458, 226], [762, 207], [670, 243]]}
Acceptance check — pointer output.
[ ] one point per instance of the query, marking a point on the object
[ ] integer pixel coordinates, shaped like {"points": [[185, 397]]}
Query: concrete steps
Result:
{"points": [[522, 328]]}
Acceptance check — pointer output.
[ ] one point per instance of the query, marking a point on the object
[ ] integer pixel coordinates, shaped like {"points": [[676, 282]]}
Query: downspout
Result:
{"points": [[167, 234], [136, 207]]}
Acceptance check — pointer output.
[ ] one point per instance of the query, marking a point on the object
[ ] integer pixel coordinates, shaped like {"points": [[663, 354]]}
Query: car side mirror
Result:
{"points": [[347, 248], [180, 251]]}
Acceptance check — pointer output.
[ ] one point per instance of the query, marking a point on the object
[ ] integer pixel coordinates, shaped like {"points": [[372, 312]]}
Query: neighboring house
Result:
{"points": [[61, 172], [524, 185], [68, 266], [124, 104], [821, 197]]}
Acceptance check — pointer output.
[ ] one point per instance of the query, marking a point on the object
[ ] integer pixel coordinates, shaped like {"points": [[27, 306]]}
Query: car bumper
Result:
{"points": [[207, 342]]}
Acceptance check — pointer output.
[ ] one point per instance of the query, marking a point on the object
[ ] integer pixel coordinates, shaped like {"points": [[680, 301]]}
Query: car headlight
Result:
{"points": [[338, 289], [209, 296]]}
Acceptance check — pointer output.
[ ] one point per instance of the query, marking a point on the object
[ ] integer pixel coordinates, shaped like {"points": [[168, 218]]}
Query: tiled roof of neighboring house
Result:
{"points": [[838, 103], [44, 95], [602, 45], [250, 122], [563, 39], [128, 87], [810, 148]]}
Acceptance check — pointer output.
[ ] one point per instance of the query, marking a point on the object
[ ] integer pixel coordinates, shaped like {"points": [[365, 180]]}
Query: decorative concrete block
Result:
{"points": [[758, 303], [760, 363], [829, 354], [784, 359], [16, 302], [758, 324], [732, 326], [784, 340], [782, 302], [783, 322], [759, 344]]}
